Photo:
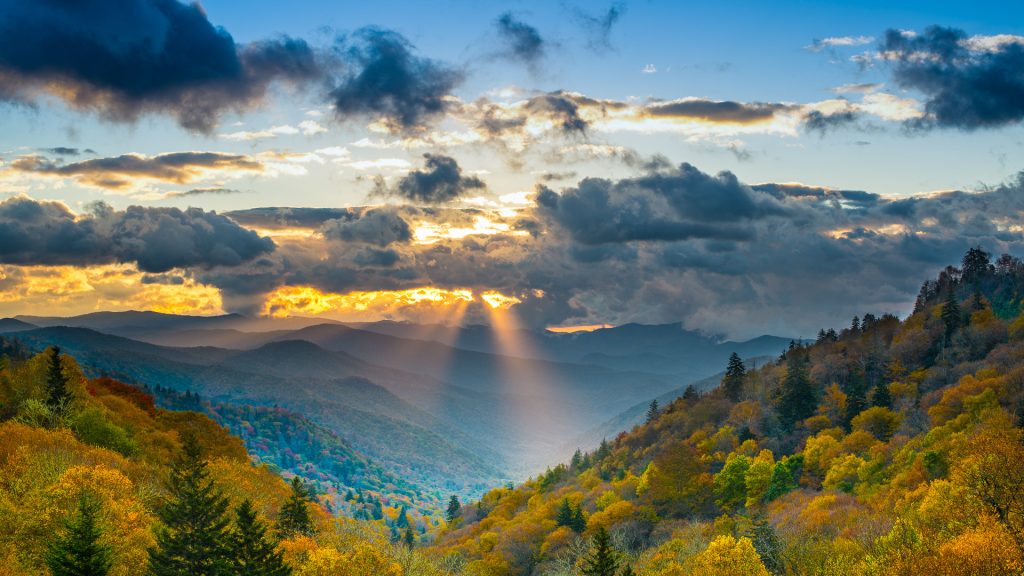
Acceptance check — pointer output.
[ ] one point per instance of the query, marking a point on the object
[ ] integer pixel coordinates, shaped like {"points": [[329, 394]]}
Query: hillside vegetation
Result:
{"points": [[889, 447]]}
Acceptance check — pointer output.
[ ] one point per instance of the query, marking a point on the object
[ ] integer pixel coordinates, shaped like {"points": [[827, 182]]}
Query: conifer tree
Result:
{"points": [[454, 509], [578, 522], [797, 401], [602, 559], [856, 395], [410, 537], [735, 373], [194, 536], [951, 314], [577, 459], [403, 517], [881, 396], [652, 411], [56, 382], [564, 515], [79, 552], [294, 519], [690, 394], [252, 554]]}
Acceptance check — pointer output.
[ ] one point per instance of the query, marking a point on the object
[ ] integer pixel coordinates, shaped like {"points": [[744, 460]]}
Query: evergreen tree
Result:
{"points": [[579, 522], [855, 325], [768, 545], [294, 518], [79, 551], [194, 535], [56, 382], [951, 314], [627, 571], [975, 266], [652, 411], [735, 373], [602, 559], [564, 515], [378, 510], [410, 537], [251, 552], [881, 397], [577, 460], [797, 401], [690, 394], [454, 509], [403, 517]]}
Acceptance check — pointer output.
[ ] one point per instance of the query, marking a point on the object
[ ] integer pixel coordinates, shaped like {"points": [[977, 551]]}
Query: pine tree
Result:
{"points": [[881, 396], [951, 314], [410, 537], [735, 373], [856, 395], [251, 552], [454, 509], [602, 560], [564, 515], [79, 551], [403, 517], [652, 411], [690, 394], [577, 459], [56, 382], [194, 535], [578, 522], [797, 401], [294, 519]]}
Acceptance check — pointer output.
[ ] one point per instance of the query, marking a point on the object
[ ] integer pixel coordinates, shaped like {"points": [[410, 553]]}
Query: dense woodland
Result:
{"points": [[887, 447]]}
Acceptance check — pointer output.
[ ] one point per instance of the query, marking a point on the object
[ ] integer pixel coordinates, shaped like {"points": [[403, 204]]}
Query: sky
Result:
{"points": [[742, 168]]}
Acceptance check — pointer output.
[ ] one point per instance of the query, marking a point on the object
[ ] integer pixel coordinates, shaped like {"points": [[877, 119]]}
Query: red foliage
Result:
{"points": [[127, 391]]}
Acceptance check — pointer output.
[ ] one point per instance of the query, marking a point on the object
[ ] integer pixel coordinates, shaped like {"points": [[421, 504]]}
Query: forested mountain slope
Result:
{"points": [[889, 447]]}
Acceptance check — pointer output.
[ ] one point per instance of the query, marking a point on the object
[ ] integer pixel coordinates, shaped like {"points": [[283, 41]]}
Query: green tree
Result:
{"points": [[602, 560], [881, 396], [410, 537], [194, 535], [454, 509], [56, 382], [856, 395], [251, 552], [796, 401], [403, 517], [294, 519], [731, 482], [652, 411], [951, 314], [690, 394], [79, 552], [579, 521], [564, 514], [735, 374]]}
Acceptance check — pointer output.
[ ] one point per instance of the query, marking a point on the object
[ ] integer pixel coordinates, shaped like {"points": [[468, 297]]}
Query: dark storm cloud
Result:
{"points": [[122, 59], [675, 204], [380, 226], [156, 239], [441, 180], [521, 41], [66, 151], [386, 79], [716, 111], [119, 172], [967, 87], [563, 108]]}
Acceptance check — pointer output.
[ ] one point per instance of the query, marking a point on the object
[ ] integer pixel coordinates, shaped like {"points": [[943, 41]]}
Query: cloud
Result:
{"points": [[155, 239], [822, 122], [521, 42], [969, 83], [386, 79], [66, 151], [121, 172], [204, 192], [441, 180], [599, 26], [820, 44], [379, 226], [726, 112], [124, 59], [669, 205], [278, 218]]}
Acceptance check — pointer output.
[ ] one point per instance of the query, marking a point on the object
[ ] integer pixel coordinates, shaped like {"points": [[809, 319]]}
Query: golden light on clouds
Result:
{"points": [[432, 232], [499, 300], [69, 290], [582, 328]]}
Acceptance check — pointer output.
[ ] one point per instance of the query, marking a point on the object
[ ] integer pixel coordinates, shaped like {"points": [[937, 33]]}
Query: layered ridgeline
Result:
{"points": [[416, 401], [95, 479], [889, 447]]}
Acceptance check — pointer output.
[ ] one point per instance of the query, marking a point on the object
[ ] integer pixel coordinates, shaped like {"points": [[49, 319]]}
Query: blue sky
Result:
{"points": [[735, 87]]}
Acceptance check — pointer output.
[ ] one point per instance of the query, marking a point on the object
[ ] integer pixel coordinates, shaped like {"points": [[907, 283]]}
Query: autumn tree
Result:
{"points": [[735, 374], [250, 551], [194, 535], [79, 551], [294, 519], [602, 560], [992, 475]]}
